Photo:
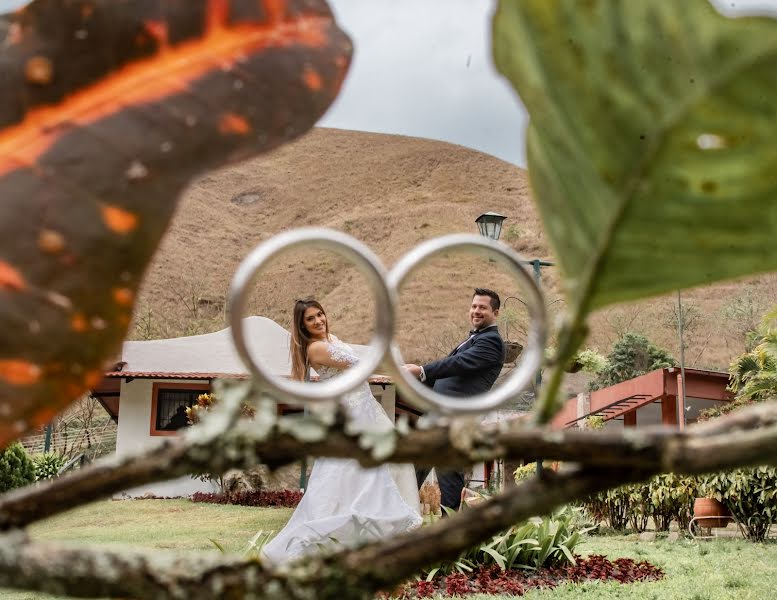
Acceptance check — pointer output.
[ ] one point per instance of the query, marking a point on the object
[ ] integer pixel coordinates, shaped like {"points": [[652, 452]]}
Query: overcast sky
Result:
{"points": [[423, 68]]}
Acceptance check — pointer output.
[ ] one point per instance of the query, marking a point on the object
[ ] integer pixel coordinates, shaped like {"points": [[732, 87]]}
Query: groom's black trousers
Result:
{"points": [[451, 484]]}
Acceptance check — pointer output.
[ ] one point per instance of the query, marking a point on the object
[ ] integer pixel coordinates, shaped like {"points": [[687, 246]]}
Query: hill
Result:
{"points": [[393, 192]]}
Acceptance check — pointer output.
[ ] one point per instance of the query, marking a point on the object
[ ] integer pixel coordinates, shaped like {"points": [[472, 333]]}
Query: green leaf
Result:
{"points": [[568, 554], [498, 558], [650, 147]]}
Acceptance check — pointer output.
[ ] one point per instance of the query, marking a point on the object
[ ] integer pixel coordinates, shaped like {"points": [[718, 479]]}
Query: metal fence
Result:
{"points": [[92, 442]]}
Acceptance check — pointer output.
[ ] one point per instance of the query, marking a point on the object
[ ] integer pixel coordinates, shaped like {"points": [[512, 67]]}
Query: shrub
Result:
{"points": [[545, 542], [671, 498], [591, 361], [611, 506], [16, 468], [195, 413], [631, 356], [529, 470], [278, 498], [47, 465], [750, 495], [663, 498], [594, 422]]}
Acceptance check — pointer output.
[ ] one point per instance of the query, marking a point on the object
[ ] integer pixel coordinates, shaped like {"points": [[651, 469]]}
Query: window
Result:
{"points": [[168, 405]]}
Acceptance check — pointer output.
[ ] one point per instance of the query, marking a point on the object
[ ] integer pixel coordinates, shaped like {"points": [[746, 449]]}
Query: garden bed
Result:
{"points": [[492, 580], [274, 498]]}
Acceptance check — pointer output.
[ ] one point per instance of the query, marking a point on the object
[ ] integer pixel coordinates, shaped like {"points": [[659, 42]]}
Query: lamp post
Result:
{"points": [[490, 226]]}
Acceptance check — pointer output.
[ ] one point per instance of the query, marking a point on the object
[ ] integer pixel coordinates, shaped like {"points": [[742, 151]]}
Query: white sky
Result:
{"points": [[423, 68]]}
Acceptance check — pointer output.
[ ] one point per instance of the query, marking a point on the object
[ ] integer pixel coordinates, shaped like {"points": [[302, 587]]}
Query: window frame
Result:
{"points": [[201, 388]]}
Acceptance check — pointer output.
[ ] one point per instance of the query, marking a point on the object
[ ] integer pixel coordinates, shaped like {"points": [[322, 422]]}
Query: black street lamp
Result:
{"points": [[490, 225]]}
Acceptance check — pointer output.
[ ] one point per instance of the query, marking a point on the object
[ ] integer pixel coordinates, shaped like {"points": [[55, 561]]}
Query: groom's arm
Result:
{"points": [[487, 351]]}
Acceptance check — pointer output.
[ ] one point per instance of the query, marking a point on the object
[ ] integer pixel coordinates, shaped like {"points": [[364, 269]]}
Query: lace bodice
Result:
{"points": [[341, 352], [361, 404]]}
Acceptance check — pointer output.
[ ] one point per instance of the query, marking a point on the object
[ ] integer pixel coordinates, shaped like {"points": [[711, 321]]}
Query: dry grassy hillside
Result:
{"points": [[390, 192]]}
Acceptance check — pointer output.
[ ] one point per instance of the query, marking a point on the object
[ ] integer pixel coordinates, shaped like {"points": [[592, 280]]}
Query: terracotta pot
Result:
{"points": [[704, 509], [512, 351]]}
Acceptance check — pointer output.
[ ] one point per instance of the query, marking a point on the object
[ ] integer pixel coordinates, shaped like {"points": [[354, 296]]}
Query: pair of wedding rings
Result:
{"points": [[385, 286]]}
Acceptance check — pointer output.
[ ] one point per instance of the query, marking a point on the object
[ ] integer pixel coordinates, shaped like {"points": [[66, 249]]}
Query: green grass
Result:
{"points": [[175, 525], [715, 570], [166, 524]]}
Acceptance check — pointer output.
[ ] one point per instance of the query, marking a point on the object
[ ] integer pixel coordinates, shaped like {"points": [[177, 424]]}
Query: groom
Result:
{"points": [[471, 368]]}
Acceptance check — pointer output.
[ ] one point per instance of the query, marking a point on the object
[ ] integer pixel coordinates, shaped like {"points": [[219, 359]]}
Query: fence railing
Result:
{"points": [[73, 441]]}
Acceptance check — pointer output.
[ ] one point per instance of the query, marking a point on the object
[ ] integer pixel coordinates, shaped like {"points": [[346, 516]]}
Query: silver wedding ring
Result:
{"points": [[521, 377], [367, 263], [385, 287]]}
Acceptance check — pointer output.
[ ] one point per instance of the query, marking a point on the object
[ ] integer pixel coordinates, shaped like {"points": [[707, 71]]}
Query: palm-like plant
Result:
{"points": [[754, 373]]}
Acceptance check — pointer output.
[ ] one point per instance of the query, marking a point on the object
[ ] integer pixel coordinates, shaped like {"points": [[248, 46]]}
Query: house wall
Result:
{"points": [[134, 432], [134, 435]]}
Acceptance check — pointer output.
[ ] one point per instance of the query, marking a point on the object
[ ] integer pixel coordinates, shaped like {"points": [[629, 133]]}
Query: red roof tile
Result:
{"points": [[377, 379]]}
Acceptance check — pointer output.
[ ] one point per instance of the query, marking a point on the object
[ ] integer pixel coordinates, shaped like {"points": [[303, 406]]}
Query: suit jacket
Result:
{"points": [[471, 368]]}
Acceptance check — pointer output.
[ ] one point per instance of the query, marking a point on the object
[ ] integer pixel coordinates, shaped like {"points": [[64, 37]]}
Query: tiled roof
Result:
{"points": [[376, 379]]}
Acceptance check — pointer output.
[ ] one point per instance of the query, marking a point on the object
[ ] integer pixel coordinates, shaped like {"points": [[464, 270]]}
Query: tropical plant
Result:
{"points": [[754, 373], [631, 356], [16, 468], [670, 498], [750, 495], [663, 498], [539, 542], [47, 465], [610, 506]]}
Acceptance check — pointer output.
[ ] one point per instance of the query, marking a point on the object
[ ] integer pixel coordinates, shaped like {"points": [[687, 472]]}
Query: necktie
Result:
{"points": [[471, 335]]}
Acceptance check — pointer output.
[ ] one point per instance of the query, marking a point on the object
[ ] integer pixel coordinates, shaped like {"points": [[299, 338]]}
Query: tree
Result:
{"points": [[636, 108], [631, 356]]}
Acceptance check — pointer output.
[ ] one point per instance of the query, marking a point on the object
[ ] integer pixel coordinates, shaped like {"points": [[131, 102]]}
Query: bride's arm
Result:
{"points": [[327, 355]]}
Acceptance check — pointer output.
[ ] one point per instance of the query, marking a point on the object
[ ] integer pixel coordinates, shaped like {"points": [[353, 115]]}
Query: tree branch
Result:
{"points": [[746, 437], [93, 573]]}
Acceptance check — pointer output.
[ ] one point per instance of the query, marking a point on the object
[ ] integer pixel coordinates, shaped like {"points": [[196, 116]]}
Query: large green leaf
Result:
{"points": [[651, 145]]}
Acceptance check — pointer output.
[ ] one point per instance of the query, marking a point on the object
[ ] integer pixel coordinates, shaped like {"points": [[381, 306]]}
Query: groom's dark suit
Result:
{"points": [[470, 369]]}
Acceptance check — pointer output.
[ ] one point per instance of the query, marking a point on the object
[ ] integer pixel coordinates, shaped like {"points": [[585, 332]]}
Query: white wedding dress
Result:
{"points": [[344, 504]]}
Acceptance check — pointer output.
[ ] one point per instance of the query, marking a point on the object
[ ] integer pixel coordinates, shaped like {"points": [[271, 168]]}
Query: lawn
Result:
{"points": [[714, 570]]}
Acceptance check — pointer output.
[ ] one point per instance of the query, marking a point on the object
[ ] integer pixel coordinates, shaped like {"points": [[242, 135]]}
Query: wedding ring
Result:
{"points": [[521, 377], [366, 262]]}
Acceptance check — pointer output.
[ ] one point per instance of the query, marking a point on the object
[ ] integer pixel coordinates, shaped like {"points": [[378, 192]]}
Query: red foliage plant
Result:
{"points": [[492, 580], [278, 498]]}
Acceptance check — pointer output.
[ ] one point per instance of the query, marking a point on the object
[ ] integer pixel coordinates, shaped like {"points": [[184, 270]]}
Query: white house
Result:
{"points": [[157, 379]]}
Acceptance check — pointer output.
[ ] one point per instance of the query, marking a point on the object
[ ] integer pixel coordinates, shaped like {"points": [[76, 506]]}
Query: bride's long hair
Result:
{"points": [[300, 338]]}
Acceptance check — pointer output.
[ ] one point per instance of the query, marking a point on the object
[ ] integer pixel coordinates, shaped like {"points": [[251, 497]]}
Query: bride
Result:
{"points": [[344, 504]]}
